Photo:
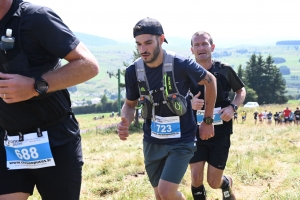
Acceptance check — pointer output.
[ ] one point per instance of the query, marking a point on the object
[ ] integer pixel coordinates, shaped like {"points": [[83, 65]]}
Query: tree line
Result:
{"points": [[104, 106], [263, 81]]}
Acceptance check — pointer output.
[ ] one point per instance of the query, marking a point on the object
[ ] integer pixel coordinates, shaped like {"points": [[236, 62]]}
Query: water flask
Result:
{"points": [[7, 42]]}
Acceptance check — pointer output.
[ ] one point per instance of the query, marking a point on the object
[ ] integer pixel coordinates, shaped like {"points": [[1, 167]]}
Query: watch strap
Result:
{"points": [[235, 107]]}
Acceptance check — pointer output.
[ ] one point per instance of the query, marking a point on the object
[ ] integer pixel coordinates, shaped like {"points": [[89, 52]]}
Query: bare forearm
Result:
{"points": [[210, 93], [73, 73], [239, 97], [82, 66], [128, 111], [210, 98]]}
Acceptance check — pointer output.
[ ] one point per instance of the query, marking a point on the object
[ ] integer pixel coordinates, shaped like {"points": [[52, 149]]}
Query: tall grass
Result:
{"points": [[264, 163]]}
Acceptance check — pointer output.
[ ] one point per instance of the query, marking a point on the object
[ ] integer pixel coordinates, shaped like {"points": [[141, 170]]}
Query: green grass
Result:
{"points": [[263, 161]]}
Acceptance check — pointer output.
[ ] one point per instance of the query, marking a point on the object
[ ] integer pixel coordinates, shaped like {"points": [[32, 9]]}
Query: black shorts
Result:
{"points": [[61, 182], [286, 119], [214, 151]]}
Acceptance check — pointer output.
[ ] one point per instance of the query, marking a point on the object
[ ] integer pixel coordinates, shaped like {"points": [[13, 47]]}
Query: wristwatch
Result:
{"points": [[208, 120], [235, 107], [40, 85]]}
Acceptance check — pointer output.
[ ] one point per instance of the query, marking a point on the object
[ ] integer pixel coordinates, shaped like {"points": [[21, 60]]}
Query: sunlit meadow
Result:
{"points": [[264, 161]]}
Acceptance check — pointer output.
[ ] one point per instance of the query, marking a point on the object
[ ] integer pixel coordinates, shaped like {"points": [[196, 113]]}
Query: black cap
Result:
{"points": [[148, 26]]}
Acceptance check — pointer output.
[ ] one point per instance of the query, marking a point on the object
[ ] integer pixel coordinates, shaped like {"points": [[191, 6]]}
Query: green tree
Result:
{"points": [[251, 95], [89, 102], [260, 88], [277, 84], [265, 79], [104, 101], [240, 72]]}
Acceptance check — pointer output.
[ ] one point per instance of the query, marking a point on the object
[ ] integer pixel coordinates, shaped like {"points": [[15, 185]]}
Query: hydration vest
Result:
{"points": [[172, 98]]}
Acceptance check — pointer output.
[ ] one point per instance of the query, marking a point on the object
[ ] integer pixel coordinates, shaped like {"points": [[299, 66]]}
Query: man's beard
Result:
{"points": [[155, 54]]}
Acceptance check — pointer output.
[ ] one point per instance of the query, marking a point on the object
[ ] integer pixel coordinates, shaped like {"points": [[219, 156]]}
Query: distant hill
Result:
{"points": [[92, 40], [288, 42]]}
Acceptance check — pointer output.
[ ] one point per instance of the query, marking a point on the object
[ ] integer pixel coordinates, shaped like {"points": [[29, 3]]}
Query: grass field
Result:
{"points": [[264, 162]]}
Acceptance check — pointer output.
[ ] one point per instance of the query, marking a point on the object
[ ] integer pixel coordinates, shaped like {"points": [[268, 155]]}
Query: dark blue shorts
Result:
{"points": [[214, 151], [61, 182]]}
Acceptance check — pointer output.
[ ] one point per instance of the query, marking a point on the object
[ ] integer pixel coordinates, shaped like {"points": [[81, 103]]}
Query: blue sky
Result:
{"points": [[228, 21]]}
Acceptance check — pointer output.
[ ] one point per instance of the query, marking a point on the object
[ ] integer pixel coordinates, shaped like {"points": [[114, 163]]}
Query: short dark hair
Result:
{"points": [[199, 33]]}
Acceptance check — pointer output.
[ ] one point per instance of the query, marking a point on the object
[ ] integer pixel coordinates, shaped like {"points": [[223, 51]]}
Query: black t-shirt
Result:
{"points": [[186, 72], [255, 115], [269, 115], [227, 80], [297, 114], [43, 38]]}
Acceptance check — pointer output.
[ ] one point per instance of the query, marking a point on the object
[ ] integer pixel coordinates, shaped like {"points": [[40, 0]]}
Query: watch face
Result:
{"points": [[42, 86], [208, 120]]}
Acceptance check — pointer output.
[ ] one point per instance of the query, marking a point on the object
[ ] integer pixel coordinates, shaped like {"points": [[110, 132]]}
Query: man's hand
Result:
{"points": [[123, 129], [197, 104], [15, 88], [206, 131], [227, 113]]}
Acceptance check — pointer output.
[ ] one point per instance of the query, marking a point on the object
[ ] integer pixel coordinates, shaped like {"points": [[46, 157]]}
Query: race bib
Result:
{"points": [[165, 127], [216, 116], [32, 153]]}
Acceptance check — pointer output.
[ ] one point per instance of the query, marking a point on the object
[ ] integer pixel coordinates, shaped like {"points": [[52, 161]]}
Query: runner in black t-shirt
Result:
{"points": [[35, 105], [276, 118], [215, 150], [269, 117], [297, 116], [235, 117], [255, 114]]}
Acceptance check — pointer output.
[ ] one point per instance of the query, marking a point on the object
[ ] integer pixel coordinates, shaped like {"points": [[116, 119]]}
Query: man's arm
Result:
{"points": [[207, 131], [81, 67], [227, 112], [210, 93], [239, 97], [127, 116]]}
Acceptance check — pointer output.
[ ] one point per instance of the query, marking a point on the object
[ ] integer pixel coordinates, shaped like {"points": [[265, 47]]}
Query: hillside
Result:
{"points": [[92, 40], [111, 54]]}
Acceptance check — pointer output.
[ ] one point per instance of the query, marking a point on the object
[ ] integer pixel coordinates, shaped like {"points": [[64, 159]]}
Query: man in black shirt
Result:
{"points": [[235, 116], [214, 150], [40, 143], [297, 116], [255, 114]]}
